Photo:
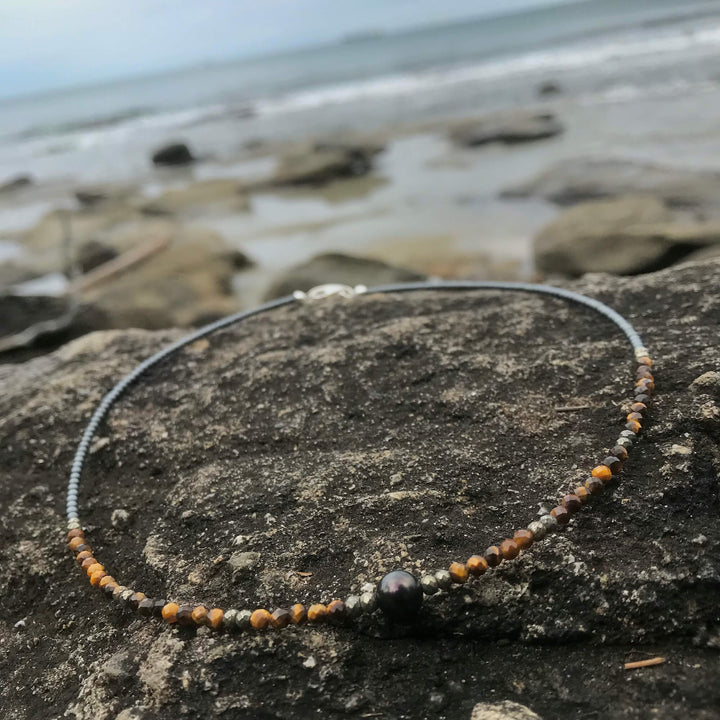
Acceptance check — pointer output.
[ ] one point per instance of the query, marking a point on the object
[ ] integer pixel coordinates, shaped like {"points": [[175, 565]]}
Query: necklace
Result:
{"points": [[399, 594]]}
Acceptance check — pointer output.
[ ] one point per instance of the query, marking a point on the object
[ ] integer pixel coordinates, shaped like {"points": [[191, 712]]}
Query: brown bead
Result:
{"points": [[95, 567], [646, 384], [571, 503], [634, 416], [280, 618], [477, 565], [73, 544], [87, 562], [316, 613], [644, 371], [458, 572], [560, 514], [602, 472], [336, 610], [523, 538], [107, 579], [582, 493], [169, 612], [633, 425], [82, 556], [135, 599], [645, 360], [298, 614], [260, 619], [493, 556], [199, 615], [96, 577], [620, 453], [184, 615], [614, 463], [215, 618], [638, 407], [509, 549], [76, 532], [145, 608]]}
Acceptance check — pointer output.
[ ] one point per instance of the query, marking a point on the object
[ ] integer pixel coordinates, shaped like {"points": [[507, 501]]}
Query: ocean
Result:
{"points": [[596, 51]]}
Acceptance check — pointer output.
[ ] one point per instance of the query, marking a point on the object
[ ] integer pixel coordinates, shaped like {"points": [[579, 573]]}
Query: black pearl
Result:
{"points": [[399, 596]]}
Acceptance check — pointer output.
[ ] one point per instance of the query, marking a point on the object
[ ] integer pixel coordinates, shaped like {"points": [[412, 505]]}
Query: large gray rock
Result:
{"points": [[322, 163], [508, 128], [347, 438], [570, 181], [505, 710], [173, 154], [338, 268], [626, 236]]}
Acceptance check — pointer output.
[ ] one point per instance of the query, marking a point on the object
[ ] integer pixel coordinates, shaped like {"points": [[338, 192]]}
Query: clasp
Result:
{"points": [[320, 292]]}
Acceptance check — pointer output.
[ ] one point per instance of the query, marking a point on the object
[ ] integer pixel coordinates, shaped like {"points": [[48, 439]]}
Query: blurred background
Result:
{"points": [[165, 163]]}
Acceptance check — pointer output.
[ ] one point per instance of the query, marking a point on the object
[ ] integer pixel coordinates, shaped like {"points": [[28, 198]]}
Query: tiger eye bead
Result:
{"points": [[493, 556], [613, 463], [93, 568], [644, 371], [581, 493], [199, 615], [104, 581], [477, 565], [109, 589], [634, 416], [633, 426], [260, 619], [298, 614], [602, 472], [594, 486], [317, 613], [280, 618], [75, 532], [215, 618], [644, 360], [336, 610], [96, 577], [619, 452], [523, 538], [82, 556], [509, 549], [134, 600], [458, 572], [571, 503], [75, 543], [560, 514], [169, 612], [184, 615]]}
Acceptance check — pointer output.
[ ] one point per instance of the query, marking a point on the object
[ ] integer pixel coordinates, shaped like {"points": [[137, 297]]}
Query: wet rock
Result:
{"points": [[626, 236], [173, 154], [322, 163], [338, 268], [293, 428], [198, 198], [571, 181], [505, 710], [17, 183], [508, 128]]}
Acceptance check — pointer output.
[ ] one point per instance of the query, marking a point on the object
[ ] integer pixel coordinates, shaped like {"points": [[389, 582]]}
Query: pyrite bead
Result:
{"points": [[443, 578], [549, 522], [429, 584], [229, 619], [368, 602], [242, 621], [399, 595], [353, 608], [537, 529]]}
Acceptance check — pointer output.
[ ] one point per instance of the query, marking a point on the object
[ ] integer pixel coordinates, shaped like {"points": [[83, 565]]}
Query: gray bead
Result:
{"points": [[368, 601], [549, 522], [625, 442], [353, 606], [242, 620], [537, 529], [443, 579], [629, 434], [429, 584], [73, 524], [126, 595], [230, 619]]}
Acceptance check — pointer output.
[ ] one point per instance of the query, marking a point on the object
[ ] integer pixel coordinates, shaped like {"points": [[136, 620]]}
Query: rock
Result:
{"points": [[338, 268], [571, 181], [91, 196], [244, 561], [120, 519], [626, 236], [292, 428], [508, 128], [206, 196], [319, 164], [17, 183], [505, 710], [173, 154], [92, 254], [549, 88]]}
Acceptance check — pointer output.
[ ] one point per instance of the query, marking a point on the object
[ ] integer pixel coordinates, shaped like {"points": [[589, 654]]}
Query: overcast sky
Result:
{"points": [[48, 44]]}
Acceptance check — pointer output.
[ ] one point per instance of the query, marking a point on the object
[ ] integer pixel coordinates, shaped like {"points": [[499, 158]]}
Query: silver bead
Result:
{"points": [[368, 601], [242, 620], [73, 524], [118, 593], [443, 579], [353, 606], [429, 584], [640, 352], [368, 587], [537, 529], [549, 522], [625, 442], [229, 619], [126, 595]]}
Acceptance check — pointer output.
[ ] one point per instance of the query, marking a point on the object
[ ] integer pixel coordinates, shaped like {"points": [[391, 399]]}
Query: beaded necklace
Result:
{"points": [[399, 594]]}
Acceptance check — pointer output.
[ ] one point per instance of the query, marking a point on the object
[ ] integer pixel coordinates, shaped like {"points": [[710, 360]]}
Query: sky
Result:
{"points": [[51, 44]]}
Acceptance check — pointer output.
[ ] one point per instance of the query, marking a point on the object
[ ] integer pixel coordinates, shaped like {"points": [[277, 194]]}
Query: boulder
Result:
{"points": [[317, 165], [206, 196], [345, 438], [571, 181], [173, 154], [626, 236], [508, 128], [338, 268]]}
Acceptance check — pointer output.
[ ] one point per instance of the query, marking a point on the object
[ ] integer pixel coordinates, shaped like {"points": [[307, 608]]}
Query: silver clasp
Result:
{"points": [[320, 292]]}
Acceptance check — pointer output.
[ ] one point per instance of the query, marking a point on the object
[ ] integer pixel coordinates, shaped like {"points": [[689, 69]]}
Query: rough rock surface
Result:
{"points": [[508, 128], [338, 268], [626, 236], [570, 181], [347, 438]]}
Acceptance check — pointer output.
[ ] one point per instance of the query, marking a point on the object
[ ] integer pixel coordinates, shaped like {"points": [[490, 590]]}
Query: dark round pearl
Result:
{"points": [[399, 595]]}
